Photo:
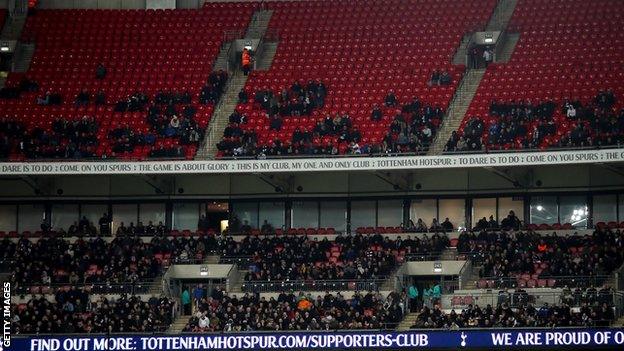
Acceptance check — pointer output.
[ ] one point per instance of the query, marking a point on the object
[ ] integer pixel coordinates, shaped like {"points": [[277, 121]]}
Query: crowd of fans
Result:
{"points": [[65, 139], [290, 311], [300, 258], [413, 128], [506, 254], [503, 316], [72, 311], [170, 116], [526, 125], [52, 260]]}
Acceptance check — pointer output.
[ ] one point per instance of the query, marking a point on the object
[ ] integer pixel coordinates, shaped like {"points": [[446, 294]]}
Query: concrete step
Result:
{"points": [[259, 24], [13, 27], [458, 107], [407, 321], [501, 15], [23, 57], [179, 324], [508, 47], [266, 58], [460, 56], [220, 116]]}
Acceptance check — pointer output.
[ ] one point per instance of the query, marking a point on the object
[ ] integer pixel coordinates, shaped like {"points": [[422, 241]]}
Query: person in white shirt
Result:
{"points": [[427, 132], [571, 112], [204, 321], [487, 56]]}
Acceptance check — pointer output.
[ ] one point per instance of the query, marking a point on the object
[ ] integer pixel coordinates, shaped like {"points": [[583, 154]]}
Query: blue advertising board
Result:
{"points": [[352, 340]]}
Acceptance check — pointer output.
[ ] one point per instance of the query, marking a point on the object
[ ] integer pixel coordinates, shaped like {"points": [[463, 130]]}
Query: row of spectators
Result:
{"points": [[411, 130], [73, 312], [527, 124], [65, 139], [51, 260], [514, 254], [291, 311], [169, 114], [299, 258], [503, 316]]}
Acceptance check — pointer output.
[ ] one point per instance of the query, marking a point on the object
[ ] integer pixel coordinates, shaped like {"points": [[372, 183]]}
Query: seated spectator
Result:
{"points": [[435, 78], [445, 78], [100, 71], [447, 225], [391, 100], [100, 98], [242, 97], [376, 114], [511, 221], [82, 99], [296, 312], [72, 312]]}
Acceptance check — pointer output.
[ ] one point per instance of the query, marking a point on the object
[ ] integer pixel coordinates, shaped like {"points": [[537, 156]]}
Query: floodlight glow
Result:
{"points": [[539, 208]]}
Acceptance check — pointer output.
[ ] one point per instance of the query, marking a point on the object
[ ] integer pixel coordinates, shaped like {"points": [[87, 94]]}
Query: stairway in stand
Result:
{"points": [[457, 109], [178, 325], [220, 116], [229, 100], [407, 321]]}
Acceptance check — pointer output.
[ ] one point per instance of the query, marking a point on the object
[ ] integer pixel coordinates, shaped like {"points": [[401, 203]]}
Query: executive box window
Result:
{"points": [[8, 218], [573, 210], [544, 210], [389, 213], [454, 210], [334, 215], [305, 214], [605, 208], [362, 214], [30, 217], [185, 216], [273, 213], [425, 209], [483, 208]]}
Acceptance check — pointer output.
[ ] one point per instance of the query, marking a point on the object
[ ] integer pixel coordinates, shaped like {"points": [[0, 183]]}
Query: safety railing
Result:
{"points": [[543, 282], [242, 261], [520, 298], [134, 288], [313, 285], [430, 256]]}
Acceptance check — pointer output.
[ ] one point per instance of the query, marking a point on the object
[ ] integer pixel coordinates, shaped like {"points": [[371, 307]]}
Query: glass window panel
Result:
{"points": [[544, 209], [185, 216], [506, 204], [390, 213], [64, 215], [93, 213], [30, 217], [273, 213], [605, 208], [425, 209], [124, 213], [8, 218], [573, 209], [152, 212], [334, 215], [483, 208], [454, 210], [621, 208], [362, 214], [246, 212], [305, 214]]}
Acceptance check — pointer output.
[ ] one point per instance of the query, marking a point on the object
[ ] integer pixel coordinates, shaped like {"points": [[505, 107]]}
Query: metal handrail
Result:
{"points": [[127, 287], [312, 285]]}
